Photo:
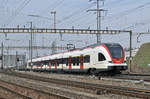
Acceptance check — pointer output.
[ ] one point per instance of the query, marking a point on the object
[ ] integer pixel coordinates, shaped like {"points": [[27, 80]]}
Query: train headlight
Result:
{"points": [[110, 62]]}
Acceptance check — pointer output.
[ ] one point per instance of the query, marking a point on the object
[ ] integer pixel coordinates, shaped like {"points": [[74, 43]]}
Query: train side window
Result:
{"points": [[59, 61], [45, 62], [29, 64], [62, 61], [53, 63], [74, 61], [66, 61], [78, 61], [37, 63], [86, 59], [50, 63], [33, 63], [101, 57]]}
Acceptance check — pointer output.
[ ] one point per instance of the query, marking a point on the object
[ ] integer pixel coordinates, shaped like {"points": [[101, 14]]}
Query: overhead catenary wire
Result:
{"points": [[73, 14], [134, 9], [137, 24], [17, 11], [12, 17], [52, 6], [127, 12], [81, 16], [77, 18], [84, 21]]}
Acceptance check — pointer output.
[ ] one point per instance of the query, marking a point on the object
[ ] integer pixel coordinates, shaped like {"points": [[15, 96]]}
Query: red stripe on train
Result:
{"points": [[55, 64], [70, 62], [81, 62], [50, 65], [115, 60]]}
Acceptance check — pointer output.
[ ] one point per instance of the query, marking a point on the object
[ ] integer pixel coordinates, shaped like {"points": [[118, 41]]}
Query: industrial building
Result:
{"points": [[13, 61]]}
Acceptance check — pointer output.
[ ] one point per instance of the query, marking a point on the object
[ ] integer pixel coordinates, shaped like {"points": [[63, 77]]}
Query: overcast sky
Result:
{"points": [[121, 14]]}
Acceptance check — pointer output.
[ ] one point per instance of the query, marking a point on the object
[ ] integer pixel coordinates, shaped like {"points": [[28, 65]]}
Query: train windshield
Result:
{"points": [[116, 51]]}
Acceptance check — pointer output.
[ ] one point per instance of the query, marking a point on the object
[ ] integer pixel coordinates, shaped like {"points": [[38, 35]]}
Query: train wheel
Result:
{"points": [[92, 71], [116, 72]]}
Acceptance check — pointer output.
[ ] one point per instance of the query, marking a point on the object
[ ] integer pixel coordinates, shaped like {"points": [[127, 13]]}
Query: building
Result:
{"points": [[13, 61]]}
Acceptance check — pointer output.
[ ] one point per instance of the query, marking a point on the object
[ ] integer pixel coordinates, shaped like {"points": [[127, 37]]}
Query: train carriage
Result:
{"points": [[107, 57]]}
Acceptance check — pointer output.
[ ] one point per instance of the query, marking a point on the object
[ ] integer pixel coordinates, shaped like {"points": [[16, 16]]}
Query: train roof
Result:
{"points": [[94, 45], [74, 52]]}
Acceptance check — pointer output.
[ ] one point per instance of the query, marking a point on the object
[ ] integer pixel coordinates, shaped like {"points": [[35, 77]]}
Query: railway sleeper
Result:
{"points": [[102, 92], [101, 89], [128, 93]]}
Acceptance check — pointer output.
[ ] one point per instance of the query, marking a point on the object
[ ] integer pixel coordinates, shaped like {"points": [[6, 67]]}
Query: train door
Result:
{"points": [[31, 64], [93, 58], [101, 59], [62, 62], [70, 62], [65, 63], [37, 65], [50, 64], [55, 64], [81, 62], [41, 66]]}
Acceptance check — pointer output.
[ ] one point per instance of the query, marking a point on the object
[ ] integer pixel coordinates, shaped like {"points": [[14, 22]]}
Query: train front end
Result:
{"points": [[117, 55]]}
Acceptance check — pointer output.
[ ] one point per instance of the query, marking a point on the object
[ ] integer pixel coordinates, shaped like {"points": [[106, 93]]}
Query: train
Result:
{"points": [[94, 59]]}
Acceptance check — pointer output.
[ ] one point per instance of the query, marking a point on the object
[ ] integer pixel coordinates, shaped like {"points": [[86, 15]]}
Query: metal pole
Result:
{"points": [[16, 60], [2, 64], [99, 35], [55, 20], [98, 20], [31, 44], [29, 57], [24, 61], [54, 12], [98, 10], [130, 59]]}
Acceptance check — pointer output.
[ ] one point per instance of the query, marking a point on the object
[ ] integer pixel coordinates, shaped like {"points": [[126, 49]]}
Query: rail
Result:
{"points": [[14, 92], [28, 92], [133, 76], [99, 88]]}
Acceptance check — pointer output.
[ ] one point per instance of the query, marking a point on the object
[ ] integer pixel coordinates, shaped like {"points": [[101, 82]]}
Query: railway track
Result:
{"points": [[24, 92], [96, 88], [137, 74], [137, 77], [12, 93]]}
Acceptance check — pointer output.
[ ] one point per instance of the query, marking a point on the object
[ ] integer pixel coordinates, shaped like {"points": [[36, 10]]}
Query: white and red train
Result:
{"points": [[107, 57]]}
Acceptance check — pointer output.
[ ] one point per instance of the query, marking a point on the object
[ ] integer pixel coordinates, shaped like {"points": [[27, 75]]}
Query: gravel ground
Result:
{"points": [[52, 88], [7, 95], [91, 79]]}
